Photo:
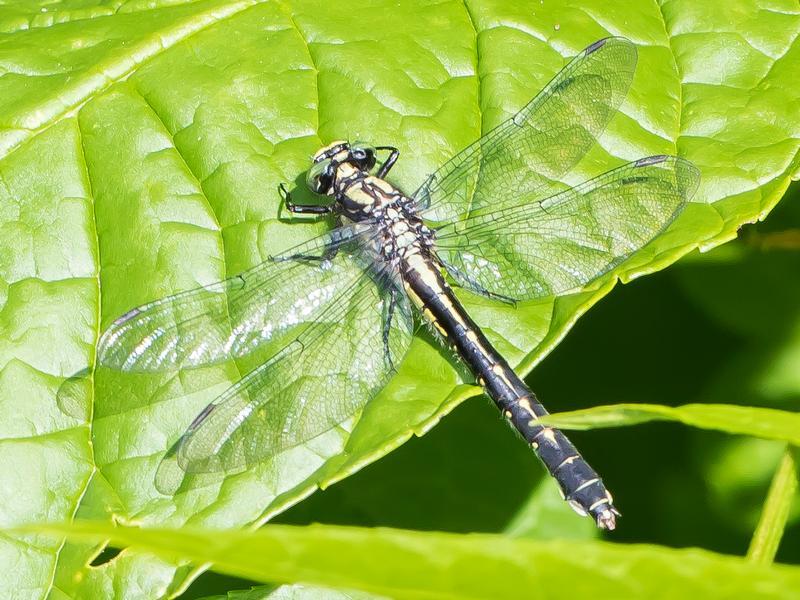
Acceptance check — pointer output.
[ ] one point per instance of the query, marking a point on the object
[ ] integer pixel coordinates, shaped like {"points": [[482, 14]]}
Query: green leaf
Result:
{"points": [[765, 423], [543, 517], [140, 147], [466, 475], [782, 493], [746, 420], [751, 291], [409, 564], [294, 592], [749, 287]]}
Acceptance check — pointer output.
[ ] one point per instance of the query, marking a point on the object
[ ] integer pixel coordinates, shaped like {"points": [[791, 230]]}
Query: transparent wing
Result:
{"points": [[544, 140], [319, 380], [233, 317], [558, 245]]}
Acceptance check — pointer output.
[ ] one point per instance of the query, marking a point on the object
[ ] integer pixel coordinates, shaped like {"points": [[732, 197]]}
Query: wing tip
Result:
{"points": [[691, 176], [685, 170], [612, 40], [595, 46], [622, 53], [127, 316], [112, 333], [202, 415], [652, 160]]}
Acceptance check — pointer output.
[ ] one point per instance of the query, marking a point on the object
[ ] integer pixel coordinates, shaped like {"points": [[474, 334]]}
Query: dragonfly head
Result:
{"points": [[327, 160]]}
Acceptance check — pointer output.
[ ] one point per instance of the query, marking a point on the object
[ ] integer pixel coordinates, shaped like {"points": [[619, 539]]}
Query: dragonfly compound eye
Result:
{"points": [[320, 177], [363, 157]]}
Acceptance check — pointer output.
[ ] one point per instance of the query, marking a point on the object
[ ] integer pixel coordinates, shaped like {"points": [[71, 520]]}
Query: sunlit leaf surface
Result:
{"points": [[441, 565]]}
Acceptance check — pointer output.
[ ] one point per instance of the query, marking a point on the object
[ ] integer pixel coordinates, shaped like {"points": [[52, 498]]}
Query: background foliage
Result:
{"points": [[140, 147]]}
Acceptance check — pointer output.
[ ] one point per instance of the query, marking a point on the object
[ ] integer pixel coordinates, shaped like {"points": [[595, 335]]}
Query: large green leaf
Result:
{"points": [[769, 424], [748, 420], [295, 592], [441, 565], [771, 525], [750, 288], [140, 147]]}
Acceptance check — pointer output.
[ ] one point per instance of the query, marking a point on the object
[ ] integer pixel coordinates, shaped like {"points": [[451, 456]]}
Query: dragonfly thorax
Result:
{"points": [[328, 160], [403, 233], [364, 198], [343, 170]]}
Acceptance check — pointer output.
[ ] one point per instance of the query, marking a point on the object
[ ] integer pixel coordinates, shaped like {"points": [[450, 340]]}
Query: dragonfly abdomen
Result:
{"points": [[580, 485]]}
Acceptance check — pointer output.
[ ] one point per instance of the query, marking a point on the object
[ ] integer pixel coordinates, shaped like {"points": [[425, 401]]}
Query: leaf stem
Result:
{"points": [[768, 533]]}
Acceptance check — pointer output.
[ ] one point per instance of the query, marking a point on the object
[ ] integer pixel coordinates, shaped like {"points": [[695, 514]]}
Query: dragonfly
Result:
{"points": [[495, 220]]}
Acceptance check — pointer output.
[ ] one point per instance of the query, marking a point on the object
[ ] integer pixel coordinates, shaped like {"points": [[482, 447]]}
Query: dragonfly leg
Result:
{"points": [[466, 281], [387, 328], [326, 256], [330, 252], [305, 209], [394, 154]]}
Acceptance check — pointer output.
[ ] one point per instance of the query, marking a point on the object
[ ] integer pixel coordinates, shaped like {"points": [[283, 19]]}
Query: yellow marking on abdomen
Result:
{"points": [[502, 374], [526, 406], [413, 295], [546, 433], [444, 298], [432, 319]]}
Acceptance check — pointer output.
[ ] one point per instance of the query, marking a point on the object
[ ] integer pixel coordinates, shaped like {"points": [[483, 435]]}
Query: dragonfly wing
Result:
{"points": [[543, 141], [558, 245], [231, 318], [319, 380]]}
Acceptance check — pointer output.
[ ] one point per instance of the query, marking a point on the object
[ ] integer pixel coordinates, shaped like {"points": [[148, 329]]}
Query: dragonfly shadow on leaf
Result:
{"points": [[299, 194], [72, 394], [171, 479]]}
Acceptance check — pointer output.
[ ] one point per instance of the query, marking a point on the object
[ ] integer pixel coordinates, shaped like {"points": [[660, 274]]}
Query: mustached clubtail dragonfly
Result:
{"points": [[494, 219]]}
